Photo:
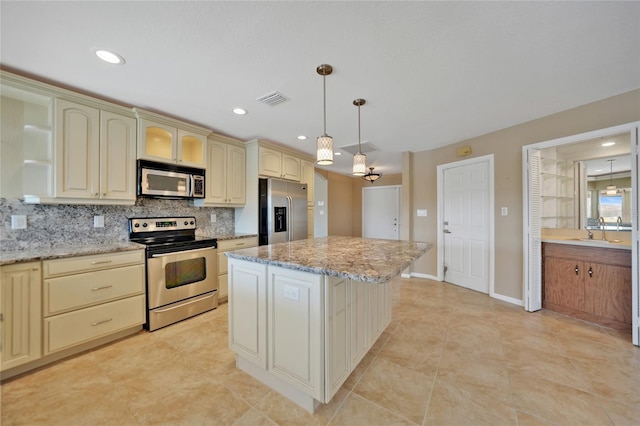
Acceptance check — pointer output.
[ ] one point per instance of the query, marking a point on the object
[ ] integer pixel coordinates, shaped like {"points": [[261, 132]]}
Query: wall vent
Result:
{"points": [[273, 98], [353, 149]]}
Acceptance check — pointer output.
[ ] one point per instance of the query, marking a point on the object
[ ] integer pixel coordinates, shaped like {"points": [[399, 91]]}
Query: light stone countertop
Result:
{"points": [[60, 251], [68, 250], [623, 245], [362, 259]]}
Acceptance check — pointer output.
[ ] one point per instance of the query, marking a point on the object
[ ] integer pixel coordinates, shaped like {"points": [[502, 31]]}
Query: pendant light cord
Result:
{"points": [[324, 98], [359, 147]]}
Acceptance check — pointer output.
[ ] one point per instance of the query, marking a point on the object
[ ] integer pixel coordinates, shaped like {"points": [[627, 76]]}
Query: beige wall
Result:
{"points": [[506, 146]]}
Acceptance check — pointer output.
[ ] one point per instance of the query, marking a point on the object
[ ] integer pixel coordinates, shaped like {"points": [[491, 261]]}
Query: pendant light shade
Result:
{"points": [[611, 188], [359, 159], [324, 143]]}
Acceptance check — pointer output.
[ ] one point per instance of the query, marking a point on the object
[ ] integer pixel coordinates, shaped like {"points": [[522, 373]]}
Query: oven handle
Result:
{"points": [[182, 252]]}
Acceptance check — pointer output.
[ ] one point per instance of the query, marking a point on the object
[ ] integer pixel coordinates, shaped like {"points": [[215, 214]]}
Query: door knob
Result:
{"points": [[446, 231]]}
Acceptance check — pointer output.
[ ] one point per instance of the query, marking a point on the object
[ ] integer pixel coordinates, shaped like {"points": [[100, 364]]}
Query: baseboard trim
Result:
{"points": [[508, 299]]}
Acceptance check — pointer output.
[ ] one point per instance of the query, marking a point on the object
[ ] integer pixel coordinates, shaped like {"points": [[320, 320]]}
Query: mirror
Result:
{"points": [[587, 185]]}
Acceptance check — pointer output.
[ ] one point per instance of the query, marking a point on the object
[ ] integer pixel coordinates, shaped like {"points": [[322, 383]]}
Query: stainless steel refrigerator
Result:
{"points": [[282, 212]]}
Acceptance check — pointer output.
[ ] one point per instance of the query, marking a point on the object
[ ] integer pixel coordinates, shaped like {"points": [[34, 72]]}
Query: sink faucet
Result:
{"points": [[589, 234], [601, 224], [618, 223]]}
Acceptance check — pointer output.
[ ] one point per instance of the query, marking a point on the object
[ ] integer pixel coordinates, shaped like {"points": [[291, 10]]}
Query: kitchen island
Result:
{"points": [[303, 314]]}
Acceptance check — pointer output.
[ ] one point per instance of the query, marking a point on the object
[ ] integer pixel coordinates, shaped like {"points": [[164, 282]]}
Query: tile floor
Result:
{"points": [[450, 357]]}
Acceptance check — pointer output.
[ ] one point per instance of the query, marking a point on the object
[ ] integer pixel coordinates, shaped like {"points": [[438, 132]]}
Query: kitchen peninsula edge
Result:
{"points": [[303, 314]]}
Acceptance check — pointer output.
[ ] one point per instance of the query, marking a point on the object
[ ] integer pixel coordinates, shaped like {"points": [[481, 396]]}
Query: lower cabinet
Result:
{"points": [[305, 332], [21, 314], [88, 297], [224, 246], [590, 283]]}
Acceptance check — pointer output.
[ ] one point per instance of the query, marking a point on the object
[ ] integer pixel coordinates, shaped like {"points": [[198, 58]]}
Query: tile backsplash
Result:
{"points": [[51, 225]]}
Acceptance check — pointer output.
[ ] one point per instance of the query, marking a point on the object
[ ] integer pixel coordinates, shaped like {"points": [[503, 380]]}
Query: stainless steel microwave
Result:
{"points": [[161, 180]]}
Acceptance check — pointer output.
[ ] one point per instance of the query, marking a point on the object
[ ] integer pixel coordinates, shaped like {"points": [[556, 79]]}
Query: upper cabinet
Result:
{"points": [[279, 164], [170, 141], [95, 154], [61, 147], [225, 173]]}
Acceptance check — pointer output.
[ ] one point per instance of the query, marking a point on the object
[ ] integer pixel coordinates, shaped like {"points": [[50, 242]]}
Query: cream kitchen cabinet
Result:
{"points": [[225, 174], [95, 154], [278, 164], [89, 297], [302, 333], [170, 141], [21, 315], [225, 246]]}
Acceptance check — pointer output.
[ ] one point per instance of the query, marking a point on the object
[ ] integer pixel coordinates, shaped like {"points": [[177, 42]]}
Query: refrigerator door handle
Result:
{"points": [[289, 216]]}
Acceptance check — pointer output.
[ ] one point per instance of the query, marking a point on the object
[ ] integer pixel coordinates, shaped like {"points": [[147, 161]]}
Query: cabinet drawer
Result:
{"points": [[73, 328], [81, 290], [237, 244], [74, 265]]}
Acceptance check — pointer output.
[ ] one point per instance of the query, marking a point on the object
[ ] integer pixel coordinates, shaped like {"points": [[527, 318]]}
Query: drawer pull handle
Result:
{"points": [[239, 244], [101, 262], [577, 270], [101, 322], [104, 287]]}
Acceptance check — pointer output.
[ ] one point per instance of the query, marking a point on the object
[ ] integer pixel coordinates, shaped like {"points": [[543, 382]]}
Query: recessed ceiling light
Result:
{"points": [[110, 57], [239, 111], [609, 143], [302, 137], [337, 153]]}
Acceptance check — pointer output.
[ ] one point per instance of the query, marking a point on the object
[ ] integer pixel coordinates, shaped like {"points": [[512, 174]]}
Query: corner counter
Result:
{"points": [[303, 314]]}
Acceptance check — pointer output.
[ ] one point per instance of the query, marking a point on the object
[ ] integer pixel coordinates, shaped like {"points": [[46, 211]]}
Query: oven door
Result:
{"points": [[172, 277]]}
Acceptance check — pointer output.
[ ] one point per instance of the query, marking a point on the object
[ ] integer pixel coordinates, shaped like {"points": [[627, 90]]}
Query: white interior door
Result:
{"points": [[466, 190], [381, 212]]}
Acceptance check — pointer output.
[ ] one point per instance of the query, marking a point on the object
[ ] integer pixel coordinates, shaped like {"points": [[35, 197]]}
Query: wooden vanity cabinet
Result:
{"points": [[590, 283]]}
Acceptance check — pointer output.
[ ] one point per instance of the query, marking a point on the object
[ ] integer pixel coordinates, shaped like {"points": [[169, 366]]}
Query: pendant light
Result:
{"points": [[371, 176], [359, 159], [324, 143], [611, 189]]}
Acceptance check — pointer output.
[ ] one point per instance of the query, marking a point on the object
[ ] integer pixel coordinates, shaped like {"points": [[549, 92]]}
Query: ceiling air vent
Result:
{"points": [[273, 98], [366, 147]]}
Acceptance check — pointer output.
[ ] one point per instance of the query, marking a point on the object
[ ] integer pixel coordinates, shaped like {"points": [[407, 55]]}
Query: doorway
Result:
{"points": [[465, 224], [534, 214], [381, 212]]}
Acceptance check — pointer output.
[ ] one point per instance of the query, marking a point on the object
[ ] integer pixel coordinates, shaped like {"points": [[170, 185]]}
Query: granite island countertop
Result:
{"points": [[363, 259]]}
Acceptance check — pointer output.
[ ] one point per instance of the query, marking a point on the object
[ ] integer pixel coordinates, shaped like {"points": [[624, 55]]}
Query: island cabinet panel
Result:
{"points": [[248, 311], [339, 330], [357, 308], [295, 329]]}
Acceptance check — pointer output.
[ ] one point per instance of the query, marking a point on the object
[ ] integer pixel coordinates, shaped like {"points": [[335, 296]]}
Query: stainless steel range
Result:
{"points": [[182, 277]]}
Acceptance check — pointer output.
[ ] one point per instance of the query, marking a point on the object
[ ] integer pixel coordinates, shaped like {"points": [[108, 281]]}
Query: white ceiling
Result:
{"points": [[432, 73]]}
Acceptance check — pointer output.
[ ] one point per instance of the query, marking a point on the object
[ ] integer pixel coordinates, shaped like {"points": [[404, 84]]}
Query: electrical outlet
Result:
{"points": [[505, 211], [291, 293], [18, 221], [98, 221], [214, 218]]}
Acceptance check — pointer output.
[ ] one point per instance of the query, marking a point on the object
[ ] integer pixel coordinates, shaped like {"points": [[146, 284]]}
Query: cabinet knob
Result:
{"points": [[96, 194], [577, 270], [590, 271]]}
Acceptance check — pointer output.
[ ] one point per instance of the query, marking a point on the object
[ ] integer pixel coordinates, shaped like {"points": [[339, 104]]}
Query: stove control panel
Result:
{"points": [[159, 224]]}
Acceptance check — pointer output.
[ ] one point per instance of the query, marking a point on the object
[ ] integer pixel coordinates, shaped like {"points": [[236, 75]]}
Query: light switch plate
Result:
{"points": [[421, 213], [18, 221], [505, 211], [214, 218], [98, 221]]}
